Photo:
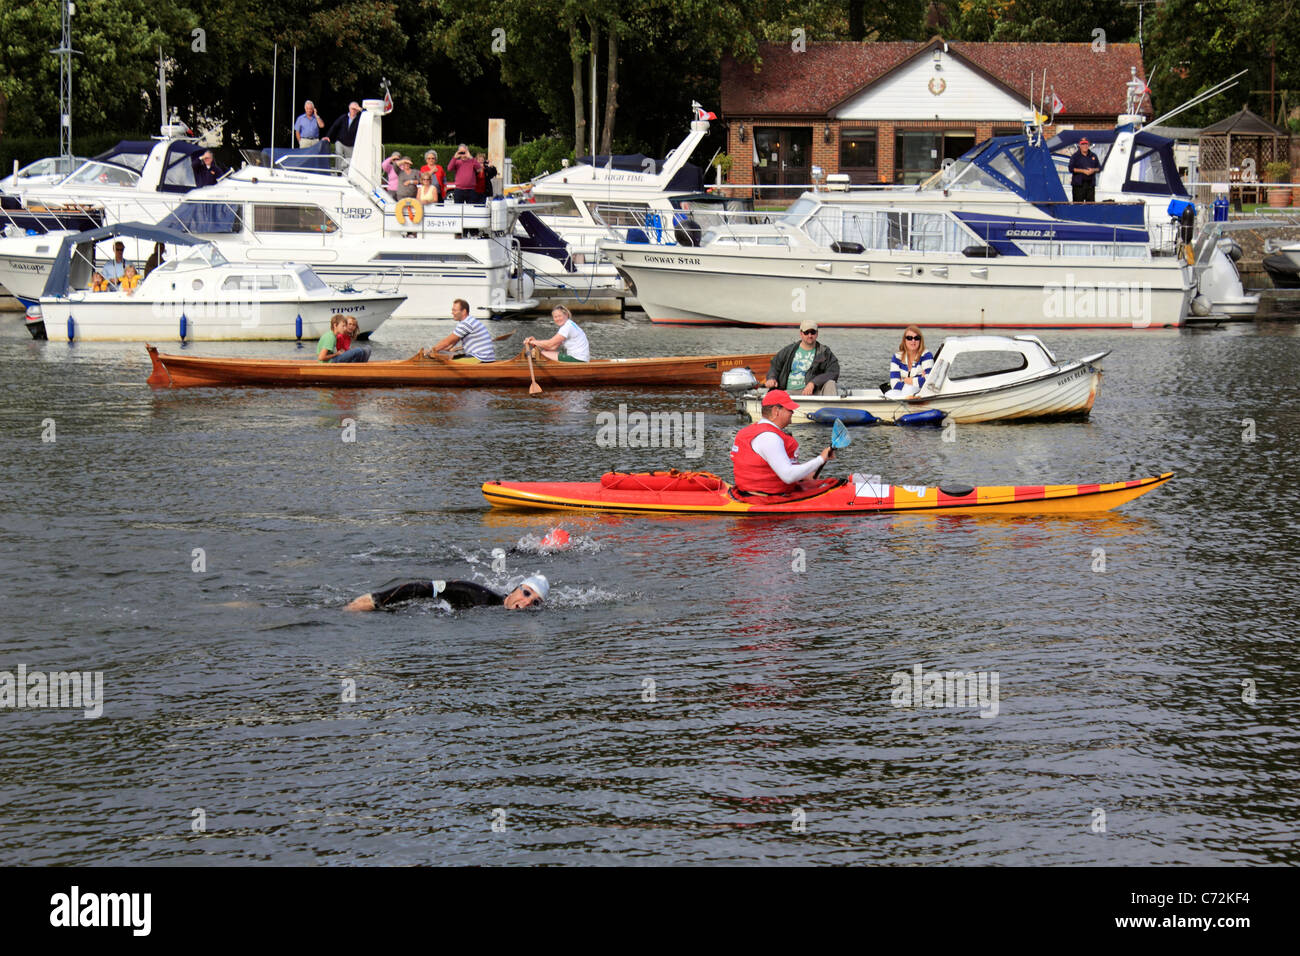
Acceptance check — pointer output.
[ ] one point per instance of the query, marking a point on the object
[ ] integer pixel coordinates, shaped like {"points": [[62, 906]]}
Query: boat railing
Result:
{"points": [[888, 231], [387, 282]]}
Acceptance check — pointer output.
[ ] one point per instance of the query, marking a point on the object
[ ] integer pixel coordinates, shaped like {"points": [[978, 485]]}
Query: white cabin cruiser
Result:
{"points": [[991, 242], [975, 378], [196, 295], [340, 223], [579, 203]]}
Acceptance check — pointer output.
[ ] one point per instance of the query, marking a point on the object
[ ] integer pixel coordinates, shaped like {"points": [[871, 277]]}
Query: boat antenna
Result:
{"points": [[275, 61], [66, 53], [1221, 87], [162, 90], [293, 90]]}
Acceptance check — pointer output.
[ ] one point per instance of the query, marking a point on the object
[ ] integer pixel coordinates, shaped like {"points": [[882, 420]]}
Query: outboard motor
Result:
{"points": [[1230, 248], [737, 381]]}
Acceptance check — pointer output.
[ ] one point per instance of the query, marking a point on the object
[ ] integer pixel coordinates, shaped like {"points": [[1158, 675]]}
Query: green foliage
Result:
{"points": [[539, 156], [1043, 21], [1193, 44], [1278, 172]]}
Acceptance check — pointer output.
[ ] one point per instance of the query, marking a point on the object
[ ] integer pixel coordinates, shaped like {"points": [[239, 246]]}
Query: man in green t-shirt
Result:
{"points": [[805, 366]]}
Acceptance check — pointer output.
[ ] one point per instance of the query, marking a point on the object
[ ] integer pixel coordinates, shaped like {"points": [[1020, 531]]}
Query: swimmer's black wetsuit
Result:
{"points": [[459, 594]]}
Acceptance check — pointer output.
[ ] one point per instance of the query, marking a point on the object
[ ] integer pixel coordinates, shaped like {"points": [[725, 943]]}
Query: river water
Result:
{"points": [[699, 689]]}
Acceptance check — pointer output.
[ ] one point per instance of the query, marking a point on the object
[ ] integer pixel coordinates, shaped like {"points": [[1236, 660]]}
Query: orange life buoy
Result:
{"points": [[408, 211]]}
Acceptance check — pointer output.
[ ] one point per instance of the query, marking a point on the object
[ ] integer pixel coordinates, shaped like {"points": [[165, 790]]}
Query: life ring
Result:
{"points": [[409, 211]]}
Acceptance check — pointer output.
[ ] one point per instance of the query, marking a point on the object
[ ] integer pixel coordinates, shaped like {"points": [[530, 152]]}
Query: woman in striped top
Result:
{"points": [[910, 365]]}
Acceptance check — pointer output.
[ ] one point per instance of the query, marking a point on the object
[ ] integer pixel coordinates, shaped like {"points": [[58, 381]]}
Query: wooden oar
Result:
{"points": [[533, 389], [503, 336]]}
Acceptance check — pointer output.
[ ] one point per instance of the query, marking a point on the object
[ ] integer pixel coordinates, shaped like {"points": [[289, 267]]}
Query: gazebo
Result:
{"points": [[1236, 150]]}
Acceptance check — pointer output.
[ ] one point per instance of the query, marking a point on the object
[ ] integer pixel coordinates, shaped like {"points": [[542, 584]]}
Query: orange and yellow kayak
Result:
{"points": [[673, 492]]}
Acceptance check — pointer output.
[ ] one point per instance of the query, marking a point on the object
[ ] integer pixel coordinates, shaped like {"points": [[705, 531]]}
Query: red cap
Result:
{"points": [[779, 396], [1083, 140]]}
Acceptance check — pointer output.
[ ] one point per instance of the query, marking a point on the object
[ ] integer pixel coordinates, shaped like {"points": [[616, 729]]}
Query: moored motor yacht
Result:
{"points": [[195, 295]]}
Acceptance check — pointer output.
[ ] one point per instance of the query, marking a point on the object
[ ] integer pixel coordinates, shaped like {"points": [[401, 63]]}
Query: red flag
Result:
{"points": [[1057, 105]]}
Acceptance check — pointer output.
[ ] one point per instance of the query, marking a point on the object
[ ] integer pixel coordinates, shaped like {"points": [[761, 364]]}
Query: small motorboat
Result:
{"points": [[673, 492], [976, 378], [442, 371], [196, 295]]}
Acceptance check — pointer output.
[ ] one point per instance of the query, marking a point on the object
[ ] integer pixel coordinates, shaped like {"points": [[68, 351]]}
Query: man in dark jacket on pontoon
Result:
{"points": [[805, 366], [458, 595]]}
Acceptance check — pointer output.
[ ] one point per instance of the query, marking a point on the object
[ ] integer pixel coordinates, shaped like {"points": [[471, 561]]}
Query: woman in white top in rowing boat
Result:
{"points": [[910, 365], [569, 344]]}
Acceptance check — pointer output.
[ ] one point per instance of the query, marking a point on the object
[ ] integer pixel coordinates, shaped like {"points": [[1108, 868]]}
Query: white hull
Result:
{"points": [[116, 317], [1072, 391], [773, 286], [429, 288]]}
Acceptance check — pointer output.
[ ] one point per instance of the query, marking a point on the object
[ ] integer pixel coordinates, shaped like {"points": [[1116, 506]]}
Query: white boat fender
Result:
{"points": [[497, 214], [1201, 304]]}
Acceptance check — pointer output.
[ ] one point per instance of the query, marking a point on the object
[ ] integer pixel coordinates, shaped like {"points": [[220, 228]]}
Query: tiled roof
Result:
{"points": [[825, 74]]}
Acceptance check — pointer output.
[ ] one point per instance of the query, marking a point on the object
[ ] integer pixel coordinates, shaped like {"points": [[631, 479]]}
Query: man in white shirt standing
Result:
{"points": [[569, 344], [470, 333], [764, 456]]}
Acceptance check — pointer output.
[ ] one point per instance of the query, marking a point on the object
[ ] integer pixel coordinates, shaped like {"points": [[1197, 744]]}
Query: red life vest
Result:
{"points": [[751, 472]]}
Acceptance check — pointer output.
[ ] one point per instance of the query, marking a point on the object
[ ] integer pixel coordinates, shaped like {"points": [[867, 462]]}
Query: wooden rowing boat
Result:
{"points": [[438, 371]]}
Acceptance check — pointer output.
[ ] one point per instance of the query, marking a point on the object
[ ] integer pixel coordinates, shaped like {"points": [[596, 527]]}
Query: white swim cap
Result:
{"points": [[538, 583]]}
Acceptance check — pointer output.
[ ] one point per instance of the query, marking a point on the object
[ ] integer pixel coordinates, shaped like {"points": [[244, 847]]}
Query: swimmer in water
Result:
{"points": [[459, 595]]}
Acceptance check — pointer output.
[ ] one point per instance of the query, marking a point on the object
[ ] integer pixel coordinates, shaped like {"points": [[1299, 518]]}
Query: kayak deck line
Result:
{"points": [[847, 497]]}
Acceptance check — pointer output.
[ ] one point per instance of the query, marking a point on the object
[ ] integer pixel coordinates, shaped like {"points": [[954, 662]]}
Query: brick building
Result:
{"points": [[892, 112]]}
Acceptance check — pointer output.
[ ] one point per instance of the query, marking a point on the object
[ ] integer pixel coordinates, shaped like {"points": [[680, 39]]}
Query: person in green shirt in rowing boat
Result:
{"points": [[327, 349], [805, 366]]}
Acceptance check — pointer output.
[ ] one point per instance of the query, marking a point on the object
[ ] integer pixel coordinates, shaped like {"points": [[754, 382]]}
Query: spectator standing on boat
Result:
{"points": [[98, 283], [805, 366], [130, 280], [431, 166], [113, 271], [569, 344], [1084, 167], [308, 128], [389, 169], [206, 169], [408, 180], [470, 334], [764, 456], [910, 365], [343, 131], [464, 170], [457, 595], [486, 173]]}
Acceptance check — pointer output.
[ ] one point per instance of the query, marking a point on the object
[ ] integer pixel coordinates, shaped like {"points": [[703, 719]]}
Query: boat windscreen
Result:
{"points": [[102, 174], [964, 175], [310, 280], [798, 211]]}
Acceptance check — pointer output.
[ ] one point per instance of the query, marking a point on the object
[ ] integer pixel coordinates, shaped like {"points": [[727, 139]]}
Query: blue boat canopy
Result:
{"points": [[311, 159], [178, 165], [1152, 169], [80, 247]]}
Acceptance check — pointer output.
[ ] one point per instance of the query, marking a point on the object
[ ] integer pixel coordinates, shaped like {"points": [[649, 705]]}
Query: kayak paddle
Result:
{"points": [[840, 435]]}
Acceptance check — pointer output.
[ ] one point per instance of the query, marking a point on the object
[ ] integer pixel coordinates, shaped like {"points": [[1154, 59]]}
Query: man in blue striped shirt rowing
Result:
{"points": [[470, 334]]}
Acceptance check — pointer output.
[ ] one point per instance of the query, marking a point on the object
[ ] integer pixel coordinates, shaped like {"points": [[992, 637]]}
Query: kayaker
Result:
{"points": [[805, 366], [569, 344], [458, 595], [470, 334], [763, 456]]}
